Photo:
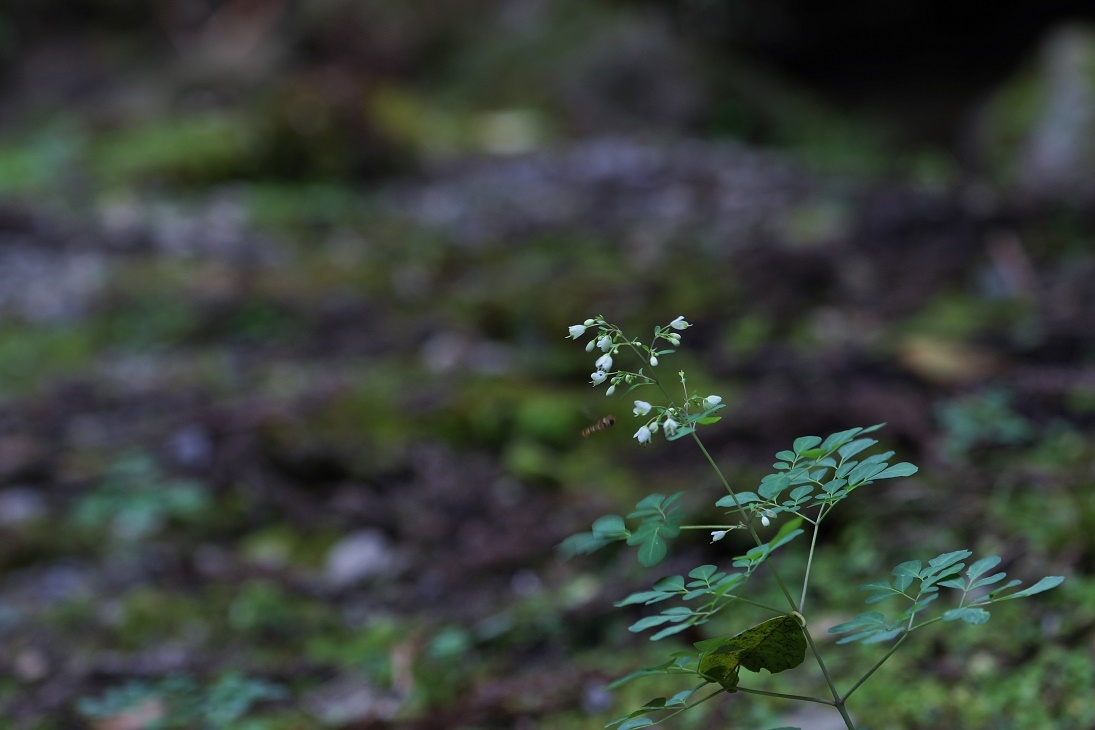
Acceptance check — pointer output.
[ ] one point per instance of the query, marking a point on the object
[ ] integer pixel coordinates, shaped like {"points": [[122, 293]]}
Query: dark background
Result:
{"points": [[289, 429]]}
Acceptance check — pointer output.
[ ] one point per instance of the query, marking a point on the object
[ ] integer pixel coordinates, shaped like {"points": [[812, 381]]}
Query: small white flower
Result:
{"points": [[604, 362], [642, 435], [604, 343], [611, 390], [717, 535], [679, 323], [711, 401], [577, 330], [764, 520], [653, 361], [591, 345], [670, 426], [642, 408], [597, 377]]}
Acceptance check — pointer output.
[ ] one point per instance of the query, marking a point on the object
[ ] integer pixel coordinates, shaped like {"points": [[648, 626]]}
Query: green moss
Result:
{"points": [[32, 355], [182, 149], [960, 315], [285, 546], [367, 649], [149, 616]]}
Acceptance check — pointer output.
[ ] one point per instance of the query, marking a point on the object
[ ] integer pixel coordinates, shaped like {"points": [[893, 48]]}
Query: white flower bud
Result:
{"points": [[711, 401], [673, 338], [642, 435], [765, 521], [605, 343], [717, 535], [679, 323], [641, 408], [611, 390], [604, 362], [591, 345], [653, 361], [577, 330], [590, 322], [597, 377]]}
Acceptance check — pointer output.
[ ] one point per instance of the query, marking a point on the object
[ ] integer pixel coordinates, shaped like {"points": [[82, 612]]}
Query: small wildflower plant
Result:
{"points": [[808, 483]]}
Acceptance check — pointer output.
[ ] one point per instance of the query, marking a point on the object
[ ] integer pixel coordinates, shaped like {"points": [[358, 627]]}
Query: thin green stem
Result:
{"points": [[809, 563], [748, 519], [873, 669], [839, 702], [781, 695], [671, 715], [770, 609], [710, 527]]}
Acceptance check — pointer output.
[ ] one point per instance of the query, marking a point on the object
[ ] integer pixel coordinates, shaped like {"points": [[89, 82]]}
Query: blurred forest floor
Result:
{"points": [[290, 430]]}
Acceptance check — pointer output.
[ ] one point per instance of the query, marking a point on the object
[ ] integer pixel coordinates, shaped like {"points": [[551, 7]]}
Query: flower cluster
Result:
{"points": [[668, 419], [610, 340]]}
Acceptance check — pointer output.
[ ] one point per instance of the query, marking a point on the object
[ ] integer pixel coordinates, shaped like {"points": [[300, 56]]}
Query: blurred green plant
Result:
{"points": [[982, 419], [182, 702], [136, 500], [810, 480]]}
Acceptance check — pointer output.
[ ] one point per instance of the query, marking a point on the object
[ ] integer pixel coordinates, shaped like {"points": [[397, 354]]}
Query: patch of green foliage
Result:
{"points": [[32, 354], [135, 500], [982, 419], [183, 702]]}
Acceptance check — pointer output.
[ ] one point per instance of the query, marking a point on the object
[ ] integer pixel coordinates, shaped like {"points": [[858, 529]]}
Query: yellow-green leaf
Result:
{"points": [[775, 645]]}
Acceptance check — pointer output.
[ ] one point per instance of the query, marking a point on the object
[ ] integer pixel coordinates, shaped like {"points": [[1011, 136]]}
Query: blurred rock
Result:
{"points": [[360, 556], [1059, 151], [31, 665], [1039, 128], [190, 446], [147, 713], [718, 197], [349, 700], [19, 505]]}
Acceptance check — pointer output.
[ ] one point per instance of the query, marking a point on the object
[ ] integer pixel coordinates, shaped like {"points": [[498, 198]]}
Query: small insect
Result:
{"points": [[600, 425]]}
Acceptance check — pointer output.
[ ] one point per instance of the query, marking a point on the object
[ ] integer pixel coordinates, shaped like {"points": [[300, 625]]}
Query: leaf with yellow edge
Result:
{"points": [[776, 645]]}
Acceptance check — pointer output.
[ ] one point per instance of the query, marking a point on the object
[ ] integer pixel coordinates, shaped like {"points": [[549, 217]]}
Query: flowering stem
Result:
{"points": [[748, 520]]}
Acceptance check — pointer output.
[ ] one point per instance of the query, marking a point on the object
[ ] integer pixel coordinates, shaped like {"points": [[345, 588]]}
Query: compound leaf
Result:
{"points": [[1044, 584]]}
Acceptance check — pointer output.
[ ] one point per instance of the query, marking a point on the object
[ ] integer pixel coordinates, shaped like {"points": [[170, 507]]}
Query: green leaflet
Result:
{"points": [[661, 517]]}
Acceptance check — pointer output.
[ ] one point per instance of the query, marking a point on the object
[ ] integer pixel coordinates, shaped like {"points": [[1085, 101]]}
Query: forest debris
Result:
{"points": [[943, 361]]}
